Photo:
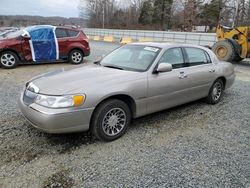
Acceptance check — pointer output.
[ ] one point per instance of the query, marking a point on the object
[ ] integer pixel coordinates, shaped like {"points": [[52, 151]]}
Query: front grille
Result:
{"points": [[29, 97]]}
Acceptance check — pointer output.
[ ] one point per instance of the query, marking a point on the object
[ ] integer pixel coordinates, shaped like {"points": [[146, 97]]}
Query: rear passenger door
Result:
{"points": [[200, 71]]}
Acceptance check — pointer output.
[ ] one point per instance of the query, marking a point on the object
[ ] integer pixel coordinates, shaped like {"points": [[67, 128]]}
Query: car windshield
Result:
{"points": [[131, 57], [13, 34]]}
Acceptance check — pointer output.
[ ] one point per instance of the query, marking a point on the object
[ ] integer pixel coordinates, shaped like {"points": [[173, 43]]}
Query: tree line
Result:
{"points": [[24, 20], [180, 15]]}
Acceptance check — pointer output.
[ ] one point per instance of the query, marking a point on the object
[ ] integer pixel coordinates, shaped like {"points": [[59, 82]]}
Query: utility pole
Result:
{"points": [[220, 12], [103, 14]]}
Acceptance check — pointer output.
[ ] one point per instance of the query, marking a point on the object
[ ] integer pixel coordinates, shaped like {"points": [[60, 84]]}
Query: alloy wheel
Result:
{"points": [[114, 121], [217, 91], [76, 57], [8, 60]]}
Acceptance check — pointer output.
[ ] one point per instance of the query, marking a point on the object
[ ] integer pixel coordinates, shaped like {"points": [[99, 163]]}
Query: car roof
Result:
{"points": [[68, 28], [166, 44], [61, 27]]}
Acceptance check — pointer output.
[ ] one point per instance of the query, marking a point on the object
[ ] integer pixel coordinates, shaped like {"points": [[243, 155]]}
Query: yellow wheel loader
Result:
{"points": [[233, 43]]}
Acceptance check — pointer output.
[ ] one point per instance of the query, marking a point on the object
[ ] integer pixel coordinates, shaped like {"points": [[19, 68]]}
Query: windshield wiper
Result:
{"points": [[113, 67]]}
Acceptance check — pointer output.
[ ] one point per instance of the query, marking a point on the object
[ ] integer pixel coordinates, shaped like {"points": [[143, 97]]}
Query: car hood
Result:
{"points": [[82, 80], [6, 39]]}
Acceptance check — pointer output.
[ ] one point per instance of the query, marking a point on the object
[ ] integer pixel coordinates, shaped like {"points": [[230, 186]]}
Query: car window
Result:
{"points": [[146, 57], [173, 56], [208, 57], [72, 33], [132, 57], [197, 56], [124, 55], [61, 33], [12, 34]]}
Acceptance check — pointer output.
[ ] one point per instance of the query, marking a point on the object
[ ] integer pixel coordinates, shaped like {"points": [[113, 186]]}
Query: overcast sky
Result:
{"points": [[65, 8]]}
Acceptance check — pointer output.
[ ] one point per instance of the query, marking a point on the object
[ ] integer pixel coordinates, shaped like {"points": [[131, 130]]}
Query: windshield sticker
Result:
{"points": [[151, 49]]}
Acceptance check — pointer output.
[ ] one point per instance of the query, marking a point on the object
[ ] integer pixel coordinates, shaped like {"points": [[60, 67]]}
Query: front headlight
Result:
{"points": [[60, 101]]}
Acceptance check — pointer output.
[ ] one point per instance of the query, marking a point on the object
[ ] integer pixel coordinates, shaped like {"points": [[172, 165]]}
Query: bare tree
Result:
{"points": [[179, 14], [102, 13], [242, 12]]}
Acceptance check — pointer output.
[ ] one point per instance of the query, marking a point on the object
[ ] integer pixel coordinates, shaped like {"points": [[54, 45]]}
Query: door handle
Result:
{"points": [[182, 75], [212, 70]]}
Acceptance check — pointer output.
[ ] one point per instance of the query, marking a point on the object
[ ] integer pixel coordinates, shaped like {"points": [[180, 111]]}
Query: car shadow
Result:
{"points": [[69, 142]]}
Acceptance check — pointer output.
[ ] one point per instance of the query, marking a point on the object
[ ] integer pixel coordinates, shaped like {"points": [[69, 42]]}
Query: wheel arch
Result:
{"points": [[76, 48], [223, 80], [123, 97]]}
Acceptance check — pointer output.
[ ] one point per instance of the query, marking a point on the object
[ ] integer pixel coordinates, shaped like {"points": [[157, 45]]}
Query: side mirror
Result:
{"points": [[26, 37], [164, 67]]}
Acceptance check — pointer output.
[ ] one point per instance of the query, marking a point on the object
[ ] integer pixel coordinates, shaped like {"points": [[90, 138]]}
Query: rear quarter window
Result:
{"points": [[197, 56], [72, 33]]}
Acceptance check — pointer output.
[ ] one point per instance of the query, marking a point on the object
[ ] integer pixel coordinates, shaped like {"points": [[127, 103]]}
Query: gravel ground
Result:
{"points": [[194, 145]]}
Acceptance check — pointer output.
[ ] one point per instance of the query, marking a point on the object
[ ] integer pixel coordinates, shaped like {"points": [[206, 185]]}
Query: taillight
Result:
{"points": [[85, 37]]}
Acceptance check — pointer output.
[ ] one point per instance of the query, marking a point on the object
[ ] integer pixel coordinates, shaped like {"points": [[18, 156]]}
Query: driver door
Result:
{"points": [[168, 89]]}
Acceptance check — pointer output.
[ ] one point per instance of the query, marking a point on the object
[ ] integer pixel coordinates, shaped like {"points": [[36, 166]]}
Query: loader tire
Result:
{"points": [[224, 50], [237, 58]]}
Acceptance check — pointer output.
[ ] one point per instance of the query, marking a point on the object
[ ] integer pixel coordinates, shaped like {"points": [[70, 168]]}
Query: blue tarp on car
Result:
{"points": [[43, 43]]}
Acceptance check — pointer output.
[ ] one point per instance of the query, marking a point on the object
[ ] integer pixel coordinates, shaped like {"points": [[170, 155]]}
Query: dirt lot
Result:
{"points": [[193, 145]]}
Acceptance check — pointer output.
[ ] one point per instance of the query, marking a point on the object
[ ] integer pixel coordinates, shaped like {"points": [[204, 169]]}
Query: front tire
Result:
{"points": [[8, 60], [216, 92], [76, 57], [110, 120]]}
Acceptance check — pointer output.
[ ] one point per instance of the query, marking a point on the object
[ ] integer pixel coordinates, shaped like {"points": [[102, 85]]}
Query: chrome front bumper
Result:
{"points": [[56, 120]]}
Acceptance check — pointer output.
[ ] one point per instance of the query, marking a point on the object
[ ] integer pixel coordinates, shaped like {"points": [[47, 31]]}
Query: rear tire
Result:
{"points": [[76, 56], [215, 92], [224, 50], [8, 60], [110, 120]]}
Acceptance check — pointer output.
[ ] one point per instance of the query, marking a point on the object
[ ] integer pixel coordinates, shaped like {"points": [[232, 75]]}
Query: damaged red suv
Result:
{"points": [[43, 43]]}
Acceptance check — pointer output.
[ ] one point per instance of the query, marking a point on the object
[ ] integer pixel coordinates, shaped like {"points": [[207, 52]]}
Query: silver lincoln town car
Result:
{"points": [[132, 81]]}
